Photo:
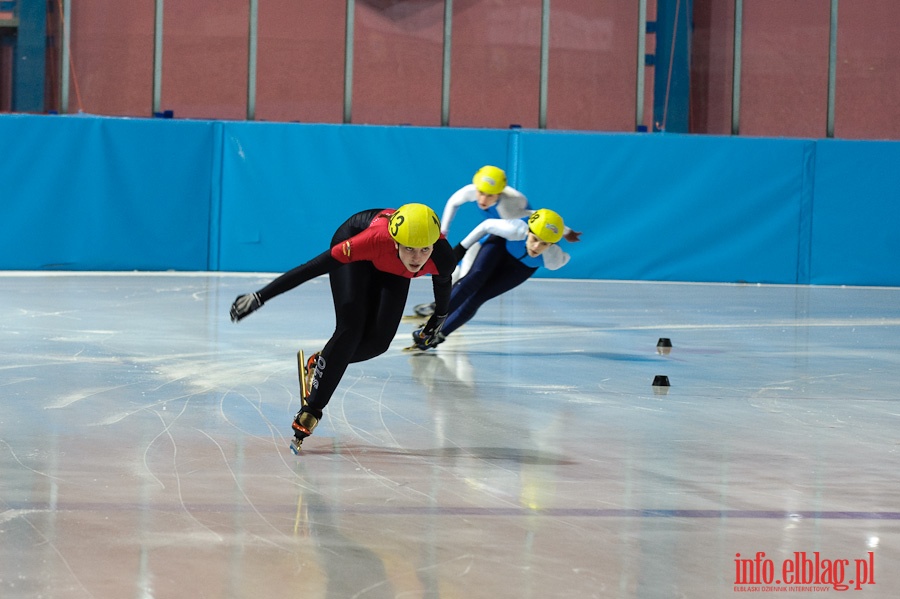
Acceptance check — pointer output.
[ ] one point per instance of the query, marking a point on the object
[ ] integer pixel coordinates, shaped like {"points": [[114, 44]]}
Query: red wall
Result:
{"points": [[784, 82], [495, 63]]}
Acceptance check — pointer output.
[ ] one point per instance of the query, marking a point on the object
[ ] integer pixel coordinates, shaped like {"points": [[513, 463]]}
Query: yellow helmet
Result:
{"points": [[490, 180], [546, 225], [414, 226]]}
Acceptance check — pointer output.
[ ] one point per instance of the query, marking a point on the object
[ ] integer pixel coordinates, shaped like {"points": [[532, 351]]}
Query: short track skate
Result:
{"points": [[303, 374]]}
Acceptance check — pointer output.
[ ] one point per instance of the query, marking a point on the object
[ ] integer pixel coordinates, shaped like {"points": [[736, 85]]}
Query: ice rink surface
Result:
{"points": [[144, 444]]}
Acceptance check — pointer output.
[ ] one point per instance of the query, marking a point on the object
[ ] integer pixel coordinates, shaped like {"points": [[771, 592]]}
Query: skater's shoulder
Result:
{"points": [[442, 257], [511, 193], [466, 193]]}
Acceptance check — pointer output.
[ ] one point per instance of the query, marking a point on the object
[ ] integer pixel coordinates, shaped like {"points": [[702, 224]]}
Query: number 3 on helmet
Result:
{"points": [[415, 226]]}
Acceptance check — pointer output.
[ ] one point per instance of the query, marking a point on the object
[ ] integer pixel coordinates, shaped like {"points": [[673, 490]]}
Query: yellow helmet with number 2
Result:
{"points": [[490, 180], [414, 226], [546, 225]]}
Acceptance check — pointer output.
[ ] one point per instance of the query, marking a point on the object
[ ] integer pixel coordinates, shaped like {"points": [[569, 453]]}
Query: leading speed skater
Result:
{"points": [[373, 256]]}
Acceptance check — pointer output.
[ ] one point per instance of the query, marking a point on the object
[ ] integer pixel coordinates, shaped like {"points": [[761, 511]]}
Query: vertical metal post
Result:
{"points": [[64, 58], [445, 68], [736, 71], [641, 65], [832, 67], [545, 59], [157, 57], [29, 72], [348, 60], [251, 60]]}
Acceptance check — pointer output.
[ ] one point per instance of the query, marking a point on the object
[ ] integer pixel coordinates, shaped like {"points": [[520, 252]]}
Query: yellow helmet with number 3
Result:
{"points": [[546, 225], [414, 226], [490, 180]]}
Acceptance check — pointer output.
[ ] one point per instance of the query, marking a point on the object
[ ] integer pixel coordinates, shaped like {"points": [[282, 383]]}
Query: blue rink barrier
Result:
{"points": [[82, 193], [99, 193]]}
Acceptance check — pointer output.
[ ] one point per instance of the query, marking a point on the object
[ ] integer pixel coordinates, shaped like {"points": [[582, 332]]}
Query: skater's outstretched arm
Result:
{"points": [[320, 265], [248, 303], [513, 230], [506, 228], [459, 198]]}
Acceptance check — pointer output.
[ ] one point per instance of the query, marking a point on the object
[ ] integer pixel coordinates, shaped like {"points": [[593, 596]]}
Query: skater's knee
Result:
{"points": [[347, 337], [367, 351]]}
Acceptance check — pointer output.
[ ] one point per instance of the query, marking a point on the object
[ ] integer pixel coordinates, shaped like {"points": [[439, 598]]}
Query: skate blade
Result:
{"points": [[414, 348], [424, 310], [414, 318], [295, 446], [301, 371]]}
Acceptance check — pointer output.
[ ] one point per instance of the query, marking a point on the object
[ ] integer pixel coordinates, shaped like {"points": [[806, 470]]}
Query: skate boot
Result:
{"points": [[304, 425], [418, 345], [424, 310], [307, 371]]}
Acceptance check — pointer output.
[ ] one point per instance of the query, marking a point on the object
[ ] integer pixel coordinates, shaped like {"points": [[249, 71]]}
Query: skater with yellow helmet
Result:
{"points": [[513, 251], [373, 256]]}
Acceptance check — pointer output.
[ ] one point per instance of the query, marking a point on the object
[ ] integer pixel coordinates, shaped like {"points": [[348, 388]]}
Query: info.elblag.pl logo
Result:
{"points": [[803, 572]]}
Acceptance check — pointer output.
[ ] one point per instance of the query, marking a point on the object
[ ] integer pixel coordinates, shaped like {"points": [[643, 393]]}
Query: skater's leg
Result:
{"points": [[506, 273], [461, 270], [465, 265], [461, 307], [384, 317], [353, 288]]}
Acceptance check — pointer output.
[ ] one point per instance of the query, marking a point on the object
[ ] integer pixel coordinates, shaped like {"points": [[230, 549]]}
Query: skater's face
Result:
{"points": [[535, 246], [486, 200], [414, 258]]}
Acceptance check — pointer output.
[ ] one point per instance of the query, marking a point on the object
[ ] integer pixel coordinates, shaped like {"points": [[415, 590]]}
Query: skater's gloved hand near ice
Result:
{"points": [[244, 305], [430, 335]]}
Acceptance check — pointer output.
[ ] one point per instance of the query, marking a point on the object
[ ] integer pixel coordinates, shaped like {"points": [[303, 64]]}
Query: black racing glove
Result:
{"points": [[458, 252], [429, 335], [244, 305]]}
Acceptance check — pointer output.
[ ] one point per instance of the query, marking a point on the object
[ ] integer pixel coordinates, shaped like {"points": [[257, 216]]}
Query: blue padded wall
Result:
{"points": [[856, 215], [81, 193], [673, 207], [287, 188], [86, 193]]}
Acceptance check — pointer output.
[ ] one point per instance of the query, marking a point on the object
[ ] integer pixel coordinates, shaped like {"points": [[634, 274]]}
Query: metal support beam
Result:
{"points": [[251, 60], [445, 67], [832, 67], [64, 61], [641, 65], [736, 69], [348, 61], [157, 57], [29, 58], [545, 60]]}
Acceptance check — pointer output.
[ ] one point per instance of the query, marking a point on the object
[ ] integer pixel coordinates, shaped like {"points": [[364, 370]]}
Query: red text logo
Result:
{"points": [[802, 572]]}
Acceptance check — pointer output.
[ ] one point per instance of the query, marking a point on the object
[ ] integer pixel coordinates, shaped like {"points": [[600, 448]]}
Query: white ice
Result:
{"points": [[144, 443]]}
